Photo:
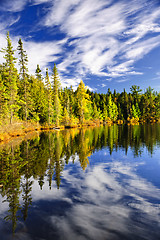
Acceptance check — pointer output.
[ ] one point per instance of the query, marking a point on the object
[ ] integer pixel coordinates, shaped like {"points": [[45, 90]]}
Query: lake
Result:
{"points": [[93, 183]]}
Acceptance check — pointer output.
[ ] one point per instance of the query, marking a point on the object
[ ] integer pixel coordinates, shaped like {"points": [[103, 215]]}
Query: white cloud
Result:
{"points": [[100, 202], [106, 34], [2, 45], [104, 38], [13, 6], [67, 82], [138, 50], [36, 2], [99, 208], [58, 11], [145, 23], [42, 53]]}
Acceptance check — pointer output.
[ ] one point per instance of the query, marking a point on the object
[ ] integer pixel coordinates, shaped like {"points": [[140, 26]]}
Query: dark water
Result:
{"points": [[97, 183]]}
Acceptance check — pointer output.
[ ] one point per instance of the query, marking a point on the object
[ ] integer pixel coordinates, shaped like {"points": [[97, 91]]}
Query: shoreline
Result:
{"points": [[21, 129]]}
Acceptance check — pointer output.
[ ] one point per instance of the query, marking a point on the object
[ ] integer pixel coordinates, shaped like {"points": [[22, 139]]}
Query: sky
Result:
{"points": [[106, 43]]}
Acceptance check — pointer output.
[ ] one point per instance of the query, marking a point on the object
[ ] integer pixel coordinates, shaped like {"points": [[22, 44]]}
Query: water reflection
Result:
{"points": [[45, 181]]}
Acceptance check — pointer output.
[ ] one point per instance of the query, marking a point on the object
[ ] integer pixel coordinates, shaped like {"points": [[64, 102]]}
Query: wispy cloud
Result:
{"points": [[107, 38], [13, 6], [36, 2], [97, 207], [42, 53], [138, 50]]}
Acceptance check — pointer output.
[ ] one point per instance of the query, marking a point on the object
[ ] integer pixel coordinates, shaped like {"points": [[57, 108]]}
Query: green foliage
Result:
{"points": [[136, 111], [49, 98], [10, 79], [30, 97], [112, 109], [24, 86], [56, 101], [83, 101], [43, 158]]}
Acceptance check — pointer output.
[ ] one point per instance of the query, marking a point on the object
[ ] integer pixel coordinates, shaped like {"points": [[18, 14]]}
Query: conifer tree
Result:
{"points": [[66, 106], [72, 101], [95, 114], [135, 90], [2, 100], [39, 97], [83, 100], [38, 73], [112, 109], [105, 113], [49, 97], [24, 81], [10, 80], [56, 101]]}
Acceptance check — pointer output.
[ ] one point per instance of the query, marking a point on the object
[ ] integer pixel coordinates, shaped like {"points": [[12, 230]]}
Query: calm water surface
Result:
{"points": [[96, 183]]}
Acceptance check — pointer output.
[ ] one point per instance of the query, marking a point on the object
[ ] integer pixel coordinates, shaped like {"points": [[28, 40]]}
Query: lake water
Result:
{"points": [[95, 183]]}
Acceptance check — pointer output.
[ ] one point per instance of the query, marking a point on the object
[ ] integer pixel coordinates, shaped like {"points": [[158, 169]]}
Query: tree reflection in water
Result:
{"points": [[47, 155]]}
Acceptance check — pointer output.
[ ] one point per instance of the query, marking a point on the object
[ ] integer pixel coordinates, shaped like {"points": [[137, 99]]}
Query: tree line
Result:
{"points": [[41, 99]]}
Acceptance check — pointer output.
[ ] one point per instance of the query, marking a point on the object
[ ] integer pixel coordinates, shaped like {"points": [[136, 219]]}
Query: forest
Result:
{"points": [[41, 99]]}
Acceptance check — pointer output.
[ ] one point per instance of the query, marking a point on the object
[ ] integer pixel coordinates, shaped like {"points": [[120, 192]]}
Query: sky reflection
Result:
{"points": [[113, 197], [107, 201]]}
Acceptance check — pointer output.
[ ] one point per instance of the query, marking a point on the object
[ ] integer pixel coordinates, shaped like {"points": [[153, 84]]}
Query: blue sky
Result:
{"points": [[106, 43]]}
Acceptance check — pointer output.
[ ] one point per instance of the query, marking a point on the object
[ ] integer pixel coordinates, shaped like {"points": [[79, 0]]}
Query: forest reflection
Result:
{"points": [[47, 154]]}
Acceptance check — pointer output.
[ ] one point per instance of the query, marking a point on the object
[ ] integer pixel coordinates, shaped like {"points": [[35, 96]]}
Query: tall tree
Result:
{"points": [[135, 90], [56, 101], [10, 80], [38, 95], [49, 96], [83, 100], [24, 81], [112, 109], [2, 100]]}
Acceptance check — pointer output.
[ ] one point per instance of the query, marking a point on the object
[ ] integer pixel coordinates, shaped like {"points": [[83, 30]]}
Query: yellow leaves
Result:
{"points": [[83, 100]]}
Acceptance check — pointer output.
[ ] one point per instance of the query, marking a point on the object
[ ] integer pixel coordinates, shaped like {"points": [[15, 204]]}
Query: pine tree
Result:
{"points": [[66, 106], [56, 100], [83, 100], [105, 113], [112, 109], [49, 97], [10, 80], [136, 111], [24, 81], [2, 100], [38, 73], [39, 97], [95, 113]]}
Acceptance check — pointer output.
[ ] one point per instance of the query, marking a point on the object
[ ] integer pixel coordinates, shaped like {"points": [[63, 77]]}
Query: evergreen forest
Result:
{"points": [[41, 99]]}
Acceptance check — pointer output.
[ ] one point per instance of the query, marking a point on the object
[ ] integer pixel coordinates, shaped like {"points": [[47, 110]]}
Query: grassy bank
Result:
{"points": [[21, 128], [8, 131], [16, 129]]}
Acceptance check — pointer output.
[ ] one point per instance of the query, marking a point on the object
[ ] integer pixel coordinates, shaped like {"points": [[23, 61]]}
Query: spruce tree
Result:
{"points": [[24, 81], [38, 73], [2, 100], [10, 80], [56, 101], [49, 97], [83, 100], [112, 109]]}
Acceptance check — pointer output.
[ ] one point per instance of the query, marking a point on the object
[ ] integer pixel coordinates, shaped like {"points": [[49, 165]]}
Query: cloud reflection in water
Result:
{"points": [[111, 202]]}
